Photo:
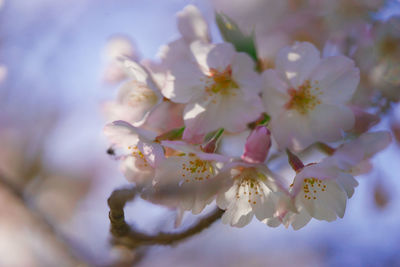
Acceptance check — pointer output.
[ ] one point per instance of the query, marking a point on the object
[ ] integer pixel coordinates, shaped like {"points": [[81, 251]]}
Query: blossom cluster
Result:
{"points": [[208, 122]]}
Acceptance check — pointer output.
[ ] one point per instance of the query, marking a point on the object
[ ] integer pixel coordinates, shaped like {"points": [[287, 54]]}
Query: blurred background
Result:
{"points": [[57, 68]]}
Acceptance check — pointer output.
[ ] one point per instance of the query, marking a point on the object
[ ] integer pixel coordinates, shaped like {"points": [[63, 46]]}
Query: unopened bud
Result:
{"points": [[257, 145]]}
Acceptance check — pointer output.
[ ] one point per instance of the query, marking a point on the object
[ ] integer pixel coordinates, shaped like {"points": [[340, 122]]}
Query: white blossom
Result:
{"points": [[306, 96]]}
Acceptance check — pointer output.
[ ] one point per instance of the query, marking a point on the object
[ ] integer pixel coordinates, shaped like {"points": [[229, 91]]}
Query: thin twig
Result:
{"points": [[125, 235]]}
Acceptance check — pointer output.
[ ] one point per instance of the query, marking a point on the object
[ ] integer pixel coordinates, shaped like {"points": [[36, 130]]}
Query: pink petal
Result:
{"points": [[257, 145]]}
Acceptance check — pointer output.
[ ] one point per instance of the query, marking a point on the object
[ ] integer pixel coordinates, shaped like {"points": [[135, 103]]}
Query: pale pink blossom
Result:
{"points": [[321, 190], [306, 96], [318, 191], [249, 190], [136, 98], [219, 86], [140, 154], [186, 179]]}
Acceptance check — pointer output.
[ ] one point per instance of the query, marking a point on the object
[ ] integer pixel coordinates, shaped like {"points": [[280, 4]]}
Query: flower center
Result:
{"points": [[248, 185], [195, 169], [141, 161], [220, 81], [305, 98], [312, 187]]}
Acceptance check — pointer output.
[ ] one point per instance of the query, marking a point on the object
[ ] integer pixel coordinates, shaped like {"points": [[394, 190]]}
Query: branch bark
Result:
{"points": [[125, 235]]}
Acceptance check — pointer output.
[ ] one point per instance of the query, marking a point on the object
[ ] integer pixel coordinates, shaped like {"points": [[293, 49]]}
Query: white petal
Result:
{"points": [[265, 206], [125, 127], [238, 214], [244, 220], [116, 111], [221, 56], [120, 135], [135, 101], [297, 62], [191, 24], [327, 205], [243, 73], [153, 152], [239, 211], [235, 111], [225, 199], [299, 220], [274, 93], [363, 167], [231, 112], [189, 184], [183, 82], [348, 183], [335, 198], [319, 210], [375, 142], [136, 171], [272, 222], [135, 70], [328, 122], [200, 51], [292, 130], [337, 78]]}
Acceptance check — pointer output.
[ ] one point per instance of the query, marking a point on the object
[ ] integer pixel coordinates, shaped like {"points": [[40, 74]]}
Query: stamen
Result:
{"points": [[317, 187], [304, 98], [221, 82]]}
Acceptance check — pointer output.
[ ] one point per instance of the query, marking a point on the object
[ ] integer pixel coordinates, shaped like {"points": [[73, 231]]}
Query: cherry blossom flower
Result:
{"points": [[219, 86], [136, 98], [321, 190], [251, 190], [186, 179], [306, 96], [318, 191], [198, 125], [140, 153]]}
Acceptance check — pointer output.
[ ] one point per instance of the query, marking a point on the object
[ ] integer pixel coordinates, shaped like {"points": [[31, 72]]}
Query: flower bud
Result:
{"points": [[257, 145]]}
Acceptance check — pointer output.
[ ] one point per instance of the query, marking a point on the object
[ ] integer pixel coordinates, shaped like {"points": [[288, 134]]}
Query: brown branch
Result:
{"points": [[125, 235]]}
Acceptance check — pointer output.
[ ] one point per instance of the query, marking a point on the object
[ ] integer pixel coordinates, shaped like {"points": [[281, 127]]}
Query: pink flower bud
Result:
{"points": [[257, 145]]}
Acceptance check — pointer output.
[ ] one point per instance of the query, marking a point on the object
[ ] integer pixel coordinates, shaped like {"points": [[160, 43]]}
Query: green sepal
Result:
{"points": [[174, 134], [232, 34]]}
